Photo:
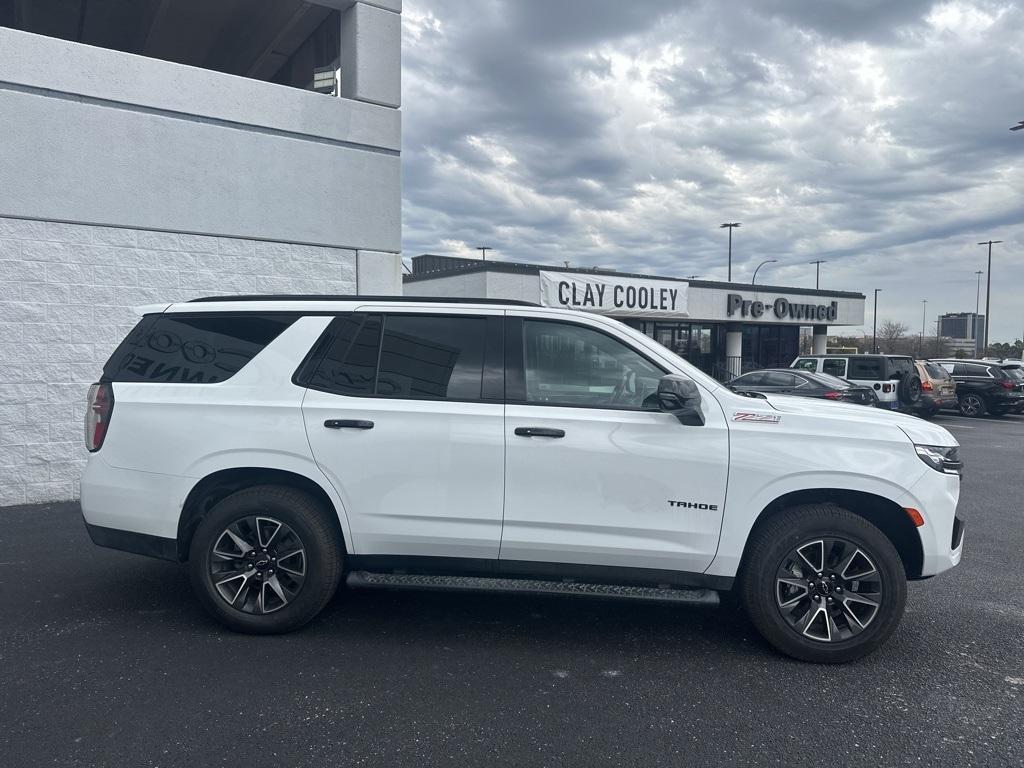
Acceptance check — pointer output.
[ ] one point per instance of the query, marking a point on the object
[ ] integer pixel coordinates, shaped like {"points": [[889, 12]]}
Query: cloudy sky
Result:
{"points": [[869, 133]]}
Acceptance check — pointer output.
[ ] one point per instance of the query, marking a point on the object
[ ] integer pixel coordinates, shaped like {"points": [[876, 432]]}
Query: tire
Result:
{"points": [[270, 598], [972, 405], [909, 390], [857, 629]]}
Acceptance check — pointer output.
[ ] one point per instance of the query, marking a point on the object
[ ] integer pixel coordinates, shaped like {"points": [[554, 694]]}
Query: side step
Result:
{"points": [[367, 580]]}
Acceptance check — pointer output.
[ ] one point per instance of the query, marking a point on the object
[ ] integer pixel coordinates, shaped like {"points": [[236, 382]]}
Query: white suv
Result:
{"points": [[281, 444]]}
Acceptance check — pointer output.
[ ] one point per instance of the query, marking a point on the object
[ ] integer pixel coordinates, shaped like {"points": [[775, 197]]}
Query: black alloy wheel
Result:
{"points": [[972, 405], [258, 564], [828, 589]]}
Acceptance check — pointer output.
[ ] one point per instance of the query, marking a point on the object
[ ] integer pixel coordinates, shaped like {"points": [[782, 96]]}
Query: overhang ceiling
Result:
{"points": [[242, 37]]}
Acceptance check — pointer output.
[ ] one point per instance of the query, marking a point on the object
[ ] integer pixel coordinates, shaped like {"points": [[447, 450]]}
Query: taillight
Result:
{"points": [[834, 395], [926, 386], [99, 407], [1006, 384]]}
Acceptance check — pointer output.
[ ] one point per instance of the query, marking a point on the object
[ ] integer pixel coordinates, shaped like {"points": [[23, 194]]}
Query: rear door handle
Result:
{"points": [[539, 432], [348, 424]]}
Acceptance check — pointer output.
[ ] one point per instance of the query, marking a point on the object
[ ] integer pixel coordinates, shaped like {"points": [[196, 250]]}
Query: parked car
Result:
{"points": [[280, 445], [938, 390], [985, 387], [893, 378], [1014, 369], [787, 381]]}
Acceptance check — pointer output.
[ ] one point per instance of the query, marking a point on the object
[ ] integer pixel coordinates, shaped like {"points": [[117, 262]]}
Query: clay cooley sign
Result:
{"points": [[610, 295], [782, 309]]}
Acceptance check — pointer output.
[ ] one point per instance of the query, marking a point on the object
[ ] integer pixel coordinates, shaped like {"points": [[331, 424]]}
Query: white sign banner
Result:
{"points": [[611, 295]]}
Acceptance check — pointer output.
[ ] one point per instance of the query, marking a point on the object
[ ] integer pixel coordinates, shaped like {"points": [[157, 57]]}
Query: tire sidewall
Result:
{"points": [[320, 554], [760, 589], [910, 389]]}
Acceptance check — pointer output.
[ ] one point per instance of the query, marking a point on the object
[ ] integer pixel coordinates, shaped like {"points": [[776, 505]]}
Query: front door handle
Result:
{"points": [[348, 424], [539, 432]]}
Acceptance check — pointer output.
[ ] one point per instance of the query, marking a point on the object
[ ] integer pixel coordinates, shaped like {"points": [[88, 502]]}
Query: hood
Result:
{"points": [[918, 430]]}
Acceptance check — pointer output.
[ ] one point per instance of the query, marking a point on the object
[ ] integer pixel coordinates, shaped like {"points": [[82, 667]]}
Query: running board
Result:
{"points": [[367, 580]]}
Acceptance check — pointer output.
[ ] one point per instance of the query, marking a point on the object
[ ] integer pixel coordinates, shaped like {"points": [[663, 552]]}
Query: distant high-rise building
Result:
{"points": [[963, 327]]}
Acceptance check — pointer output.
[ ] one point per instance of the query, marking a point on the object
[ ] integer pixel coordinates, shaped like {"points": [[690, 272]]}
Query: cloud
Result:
{"points": [[871, 134]]}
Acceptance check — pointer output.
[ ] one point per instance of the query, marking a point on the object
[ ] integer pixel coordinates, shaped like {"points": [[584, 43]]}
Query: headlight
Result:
{"points": [[941, 458]]}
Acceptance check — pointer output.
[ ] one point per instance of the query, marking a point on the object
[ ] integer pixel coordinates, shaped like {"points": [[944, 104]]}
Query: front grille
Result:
{"points": [[958, 533]]}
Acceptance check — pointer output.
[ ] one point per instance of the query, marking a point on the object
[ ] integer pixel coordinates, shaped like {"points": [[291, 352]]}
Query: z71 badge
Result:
{"points": [[757, 418]]}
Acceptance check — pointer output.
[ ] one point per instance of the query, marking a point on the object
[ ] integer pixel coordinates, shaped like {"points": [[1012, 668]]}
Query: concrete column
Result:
{"points": [[378, 274], [734, 350], [820, 340], [371, 54]]}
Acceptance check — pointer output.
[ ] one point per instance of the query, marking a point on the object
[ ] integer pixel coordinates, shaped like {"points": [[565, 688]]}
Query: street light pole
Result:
{"points": [[874, 325], [754, 278], [817, 272], [483, 251], [977, 310], [730, 226], [924, 315], [988, 292]]}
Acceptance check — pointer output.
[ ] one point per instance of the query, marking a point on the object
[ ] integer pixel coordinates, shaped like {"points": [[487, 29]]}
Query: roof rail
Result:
{"points": [[336, 297]]}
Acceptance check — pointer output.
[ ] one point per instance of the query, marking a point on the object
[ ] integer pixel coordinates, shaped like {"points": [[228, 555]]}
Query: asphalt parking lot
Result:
{"points": [[105, 659]]}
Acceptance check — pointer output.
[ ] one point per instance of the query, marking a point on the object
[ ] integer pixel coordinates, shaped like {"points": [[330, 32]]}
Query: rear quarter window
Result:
{"points": [[192, 349], [866, 369], [935, 371]]}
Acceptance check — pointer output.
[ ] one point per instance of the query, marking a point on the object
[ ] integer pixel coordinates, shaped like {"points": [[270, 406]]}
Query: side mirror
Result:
{"points": [[680, 397]]}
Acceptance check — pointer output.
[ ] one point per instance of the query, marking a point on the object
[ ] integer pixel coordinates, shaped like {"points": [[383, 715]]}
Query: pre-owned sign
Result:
{"points": [[781, 308], [610, 295]]}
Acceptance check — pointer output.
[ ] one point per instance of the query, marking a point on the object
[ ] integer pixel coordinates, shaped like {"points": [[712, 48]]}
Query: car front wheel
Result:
{"points": [[265, 559], [972, 405], [822, 584]]}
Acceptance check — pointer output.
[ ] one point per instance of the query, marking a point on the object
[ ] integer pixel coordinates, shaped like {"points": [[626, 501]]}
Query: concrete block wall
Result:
{"points": [[67, 297]]}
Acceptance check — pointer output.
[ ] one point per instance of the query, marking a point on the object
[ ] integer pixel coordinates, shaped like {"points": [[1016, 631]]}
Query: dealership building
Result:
{"points": [[159, 150], [722, 328]]}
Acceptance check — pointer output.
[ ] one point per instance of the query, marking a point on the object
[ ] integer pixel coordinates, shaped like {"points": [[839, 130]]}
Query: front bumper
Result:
{"points": [[936, 496]]}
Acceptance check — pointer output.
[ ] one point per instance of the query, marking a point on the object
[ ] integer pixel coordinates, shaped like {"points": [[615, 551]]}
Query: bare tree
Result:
{"points": [[890, 335]]}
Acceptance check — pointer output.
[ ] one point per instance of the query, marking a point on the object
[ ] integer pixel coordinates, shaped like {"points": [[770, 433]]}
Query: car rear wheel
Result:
{"points": [[972, 405], [822, 584], [265, 560]]}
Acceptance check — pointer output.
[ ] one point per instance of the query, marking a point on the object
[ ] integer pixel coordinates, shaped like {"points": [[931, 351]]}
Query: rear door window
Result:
{"points": [[755, 379], [970, 369], [866, 369], [432, 356], [781, 380], [349, 366], [416, 357], [834, 367], [192, 349]]}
